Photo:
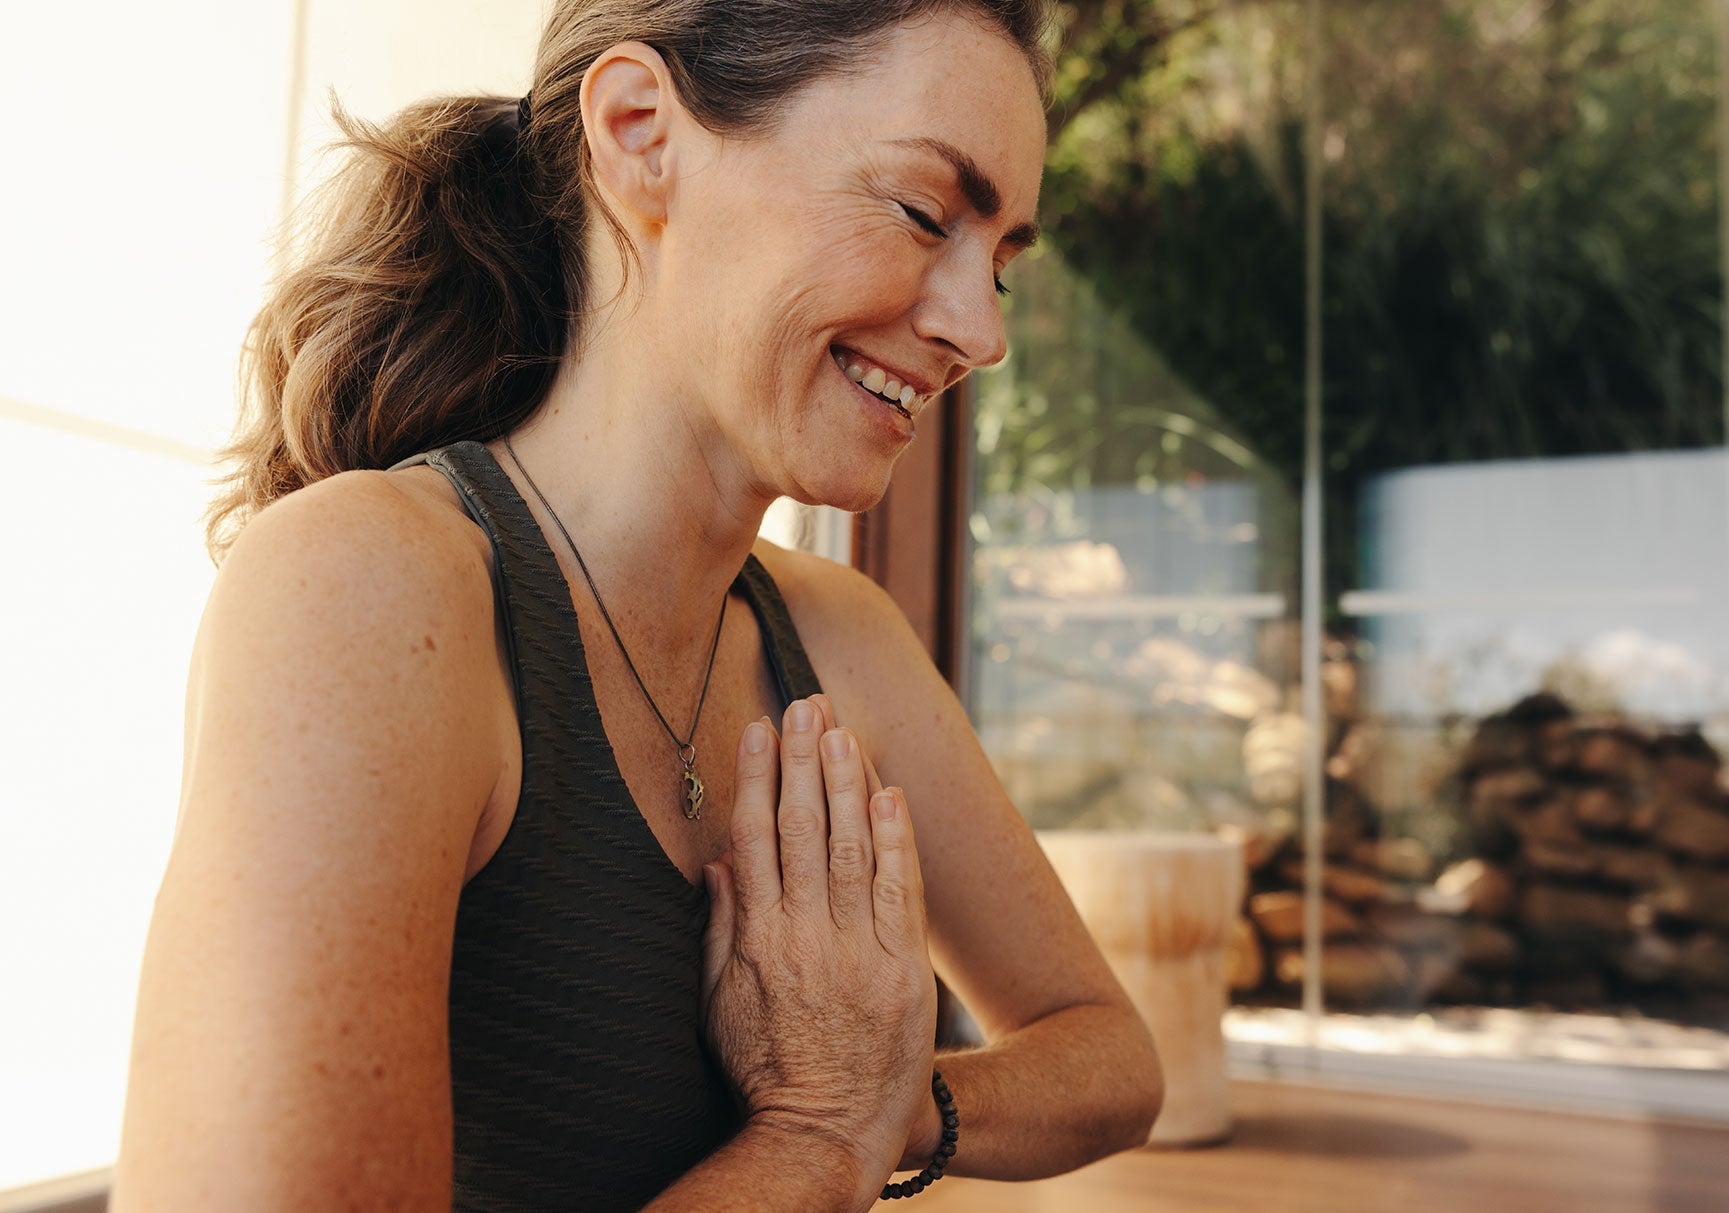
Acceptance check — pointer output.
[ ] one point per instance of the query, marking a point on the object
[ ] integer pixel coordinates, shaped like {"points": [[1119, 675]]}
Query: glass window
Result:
{"points": [[1521, 497]]}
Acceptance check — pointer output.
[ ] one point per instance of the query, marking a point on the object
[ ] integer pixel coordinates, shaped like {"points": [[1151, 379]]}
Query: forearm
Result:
{"points": [[773, 1167], [1061, 1092]]}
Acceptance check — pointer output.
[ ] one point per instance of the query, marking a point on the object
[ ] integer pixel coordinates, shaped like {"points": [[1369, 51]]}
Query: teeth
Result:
{"points": [[876, 381]]}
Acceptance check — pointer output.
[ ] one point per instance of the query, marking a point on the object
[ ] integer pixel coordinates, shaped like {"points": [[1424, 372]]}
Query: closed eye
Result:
{"points": [[930, 225], [924, 221]]}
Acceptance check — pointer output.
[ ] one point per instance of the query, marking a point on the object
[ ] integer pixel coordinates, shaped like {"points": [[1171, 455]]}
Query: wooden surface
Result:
{"points": [[1315, 1150]]}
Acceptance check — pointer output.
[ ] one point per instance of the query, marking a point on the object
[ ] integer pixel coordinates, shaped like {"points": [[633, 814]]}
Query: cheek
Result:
{"points": [[788, 280], [837, 273], [857, 282]]}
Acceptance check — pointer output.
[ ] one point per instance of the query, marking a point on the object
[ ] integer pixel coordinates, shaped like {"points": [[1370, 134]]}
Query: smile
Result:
{"points": [[878, 382]]}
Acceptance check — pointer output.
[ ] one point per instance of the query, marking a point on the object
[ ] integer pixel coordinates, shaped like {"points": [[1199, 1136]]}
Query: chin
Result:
{"points": [[853, 489]]}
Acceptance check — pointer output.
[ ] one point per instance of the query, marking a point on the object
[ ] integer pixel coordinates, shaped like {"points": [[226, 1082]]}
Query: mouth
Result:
{"points": [[875, 380]]}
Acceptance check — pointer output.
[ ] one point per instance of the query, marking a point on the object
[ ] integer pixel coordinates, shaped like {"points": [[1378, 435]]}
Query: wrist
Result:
{"points": [[923, 1138], [948, 1132], [816, 1150]]}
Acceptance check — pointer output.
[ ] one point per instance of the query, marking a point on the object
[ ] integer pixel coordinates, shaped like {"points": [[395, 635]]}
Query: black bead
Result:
{"points": [[945, 1151]]}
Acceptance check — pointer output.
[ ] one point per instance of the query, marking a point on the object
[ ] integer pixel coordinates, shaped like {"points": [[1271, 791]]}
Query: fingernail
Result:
{"points": [[883, 805], [802, 716], [755, 737], [835, 745], [708, 877]]}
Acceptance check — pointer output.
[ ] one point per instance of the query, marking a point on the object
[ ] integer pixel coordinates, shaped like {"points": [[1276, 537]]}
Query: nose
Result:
{"points": [[960, 310]]}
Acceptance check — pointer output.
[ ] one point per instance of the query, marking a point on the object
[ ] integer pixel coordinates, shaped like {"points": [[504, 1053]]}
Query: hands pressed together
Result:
{"points": [[818, 995]]}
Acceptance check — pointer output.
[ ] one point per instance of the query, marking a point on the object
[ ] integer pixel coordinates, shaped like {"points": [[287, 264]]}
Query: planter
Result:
{"points": [[1162, 907]]}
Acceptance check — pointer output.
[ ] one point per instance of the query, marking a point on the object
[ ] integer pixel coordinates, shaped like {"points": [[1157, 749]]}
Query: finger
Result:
{"points": [[897, 898], [803, 810], [851, 863], [717, 940], [873, 784], [827, 709], [754, 834]]}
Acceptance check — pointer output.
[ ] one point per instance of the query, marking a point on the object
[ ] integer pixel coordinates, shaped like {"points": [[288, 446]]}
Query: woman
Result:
{"points": [[473, 743]]}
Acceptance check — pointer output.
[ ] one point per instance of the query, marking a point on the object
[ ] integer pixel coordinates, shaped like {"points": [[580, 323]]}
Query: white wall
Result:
{"points": [[142, 174]]}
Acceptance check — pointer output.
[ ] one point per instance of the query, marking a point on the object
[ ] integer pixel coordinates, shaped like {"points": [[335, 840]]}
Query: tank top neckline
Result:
{"points": [[790, 666]]}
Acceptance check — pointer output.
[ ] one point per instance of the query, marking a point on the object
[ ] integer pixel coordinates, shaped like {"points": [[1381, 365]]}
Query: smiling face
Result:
{"points": [[866, 233]]}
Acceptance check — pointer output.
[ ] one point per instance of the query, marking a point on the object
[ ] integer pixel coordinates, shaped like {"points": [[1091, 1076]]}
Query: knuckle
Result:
{"points": [[893, 894], [891, 842], [749, 831], [799, 823], [849, 854]]}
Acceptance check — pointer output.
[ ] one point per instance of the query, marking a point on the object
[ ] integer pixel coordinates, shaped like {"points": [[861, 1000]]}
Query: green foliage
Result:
{"points": [[1520, 234]]}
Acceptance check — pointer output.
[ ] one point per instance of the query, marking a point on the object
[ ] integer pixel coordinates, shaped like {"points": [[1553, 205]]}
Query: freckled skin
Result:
{"points": [[291, 1046]]}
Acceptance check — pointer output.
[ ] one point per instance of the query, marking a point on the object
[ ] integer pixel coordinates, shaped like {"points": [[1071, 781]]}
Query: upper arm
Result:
{"points": [[290, 1046], [1004, 934]]}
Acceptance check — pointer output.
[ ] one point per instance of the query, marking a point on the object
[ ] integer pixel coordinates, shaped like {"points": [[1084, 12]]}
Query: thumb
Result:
{"points": [[717, 940]]}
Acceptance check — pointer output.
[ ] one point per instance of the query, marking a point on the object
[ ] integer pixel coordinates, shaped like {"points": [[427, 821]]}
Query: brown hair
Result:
{"points": [[440, 276]]}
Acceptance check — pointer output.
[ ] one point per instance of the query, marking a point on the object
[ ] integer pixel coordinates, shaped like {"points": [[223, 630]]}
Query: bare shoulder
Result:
{"points": [[290, 1031], [354, 595], [843, 618], [369, 524]]}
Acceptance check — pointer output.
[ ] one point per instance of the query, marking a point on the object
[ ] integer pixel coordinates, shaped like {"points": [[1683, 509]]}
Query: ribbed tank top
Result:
{"points": [[579, 1076]]}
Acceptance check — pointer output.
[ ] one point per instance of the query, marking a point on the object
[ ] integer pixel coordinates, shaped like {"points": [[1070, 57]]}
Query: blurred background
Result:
{"points": [[1355, 490], [1405, 375]]}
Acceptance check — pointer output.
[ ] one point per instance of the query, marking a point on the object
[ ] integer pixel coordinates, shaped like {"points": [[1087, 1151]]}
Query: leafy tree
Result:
{"points": [[1520, 233]]}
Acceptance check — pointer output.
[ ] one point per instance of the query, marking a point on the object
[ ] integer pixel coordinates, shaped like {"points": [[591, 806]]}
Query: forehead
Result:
{"points": [[946, 79]]}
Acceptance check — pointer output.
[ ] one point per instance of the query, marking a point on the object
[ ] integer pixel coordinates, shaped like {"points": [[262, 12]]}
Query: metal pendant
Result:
{"points": [[692, 784], [692, 795]]}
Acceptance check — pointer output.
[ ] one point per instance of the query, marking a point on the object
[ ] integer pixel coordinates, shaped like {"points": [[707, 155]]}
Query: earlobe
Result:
{"points": [[626, 116]]}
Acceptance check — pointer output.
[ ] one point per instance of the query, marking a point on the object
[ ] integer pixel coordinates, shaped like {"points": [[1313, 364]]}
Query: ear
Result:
{"points": [[627, 116]]}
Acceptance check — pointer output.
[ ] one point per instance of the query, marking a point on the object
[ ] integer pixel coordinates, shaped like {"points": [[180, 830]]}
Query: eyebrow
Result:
{"points": [[980, 190]]}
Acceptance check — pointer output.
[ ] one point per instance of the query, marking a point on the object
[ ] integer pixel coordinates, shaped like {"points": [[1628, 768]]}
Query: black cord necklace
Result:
{"points": [[686, 749]]}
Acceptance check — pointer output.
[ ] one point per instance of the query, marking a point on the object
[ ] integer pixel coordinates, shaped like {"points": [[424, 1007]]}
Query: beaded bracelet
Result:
{"points": [[945, 1150]]}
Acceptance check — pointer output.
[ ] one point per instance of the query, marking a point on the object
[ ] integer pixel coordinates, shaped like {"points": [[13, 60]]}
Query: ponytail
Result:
{"points": [[427, 306], [445, 275]]}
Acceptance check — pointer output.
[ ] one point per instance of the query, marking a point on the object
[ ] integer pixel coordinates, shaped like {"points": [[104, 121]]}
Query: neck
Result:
{"points": [[653, 497]]}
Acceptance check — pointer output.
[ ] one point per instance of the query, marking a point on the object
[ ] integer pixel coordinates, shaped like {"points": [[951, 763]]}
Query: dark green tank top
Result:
{"points": [[578, 1072]]}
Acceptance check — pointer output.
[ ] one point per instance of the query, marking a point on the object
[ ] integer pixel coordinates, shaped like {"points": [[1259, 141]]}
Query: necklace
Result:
{"points": [[693, 790]]}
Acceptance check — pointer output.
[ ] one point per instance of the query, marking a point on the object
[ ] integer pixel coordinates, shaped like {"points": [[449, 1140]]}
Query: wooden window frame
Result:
{"points": [[913, 543]]}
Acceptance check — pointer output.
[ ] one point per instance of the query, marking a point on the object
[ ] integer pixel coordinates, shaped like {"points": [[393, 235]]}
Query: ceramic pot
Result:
{"points": [[1161, 907]]}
